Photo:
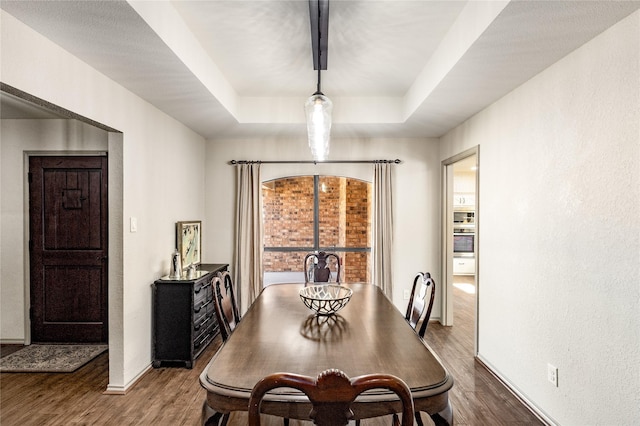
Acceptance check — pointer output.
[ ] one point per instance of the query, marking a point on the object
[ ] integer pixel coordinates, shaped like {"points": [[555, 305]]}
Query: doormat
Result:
{"points": [[50, 358]]}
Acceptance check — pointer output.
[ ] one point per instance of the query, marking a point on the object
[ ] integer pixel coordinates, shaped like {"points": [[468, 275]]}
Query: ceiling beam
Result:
{"points": [[319, 18]]}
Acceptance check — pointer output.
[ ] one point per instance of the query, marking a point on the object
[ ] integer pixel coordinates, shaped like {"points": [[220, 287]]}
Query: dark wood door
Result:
{"points": [[68, 246]]}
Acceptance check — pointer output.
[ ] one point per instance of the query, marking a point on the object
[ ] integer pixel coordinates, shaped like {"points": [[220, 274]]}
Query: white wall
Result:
{"points": [[156, 173], [416, 194], [559, 233]]}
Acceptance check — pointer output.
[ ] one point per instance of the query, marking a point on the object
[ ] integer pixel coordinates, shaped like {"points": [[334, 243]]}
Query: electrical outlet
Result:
{"points": [[552, 374], [407, 294]]}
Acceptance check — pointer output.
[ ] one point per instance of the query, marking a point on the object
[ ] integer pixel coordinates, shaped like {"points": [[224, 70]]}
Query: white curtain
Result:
{"points": [[382, 228], [247, 259]]}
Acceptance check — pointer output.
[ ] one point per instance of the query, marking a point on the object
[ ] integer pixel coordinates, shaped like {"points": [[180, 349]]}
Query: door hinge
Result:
{"points": [[31, 313], [30, 177], [30, 245]]}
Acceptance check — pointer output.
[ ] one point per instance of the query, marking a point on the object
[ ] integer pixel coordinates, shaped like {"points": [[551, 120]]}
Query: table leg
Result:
{"points": [[444, 417], [213, 418]]}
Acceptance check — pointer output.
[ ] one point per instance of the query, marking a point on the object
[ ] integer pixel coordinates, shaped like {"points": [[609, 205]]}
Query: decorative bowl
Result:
{"points": [[326, 299]]}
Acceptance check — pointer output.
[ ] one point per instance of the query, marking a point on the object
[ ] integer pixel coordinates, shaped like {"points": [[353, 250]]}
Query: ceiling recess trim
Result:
{"points": [[53, 108]]}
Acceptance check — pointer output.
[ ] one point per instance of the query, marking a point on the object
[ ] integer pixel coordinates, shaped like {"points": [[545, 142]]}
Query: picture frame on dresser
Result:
{"points": [[189, 242]]}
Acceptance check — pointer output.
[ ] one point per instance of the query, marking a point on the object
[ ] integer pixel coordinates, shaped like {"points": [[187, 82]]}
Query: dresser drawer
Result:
{"points": [[202, 292], [202, 339], [201, 311], [202, 322]]}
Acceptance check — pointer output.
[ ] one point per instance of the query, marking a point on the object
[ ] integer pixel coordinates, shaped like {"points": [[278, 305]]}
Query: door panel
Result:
{"points": [[68, 214], [72, 294]]}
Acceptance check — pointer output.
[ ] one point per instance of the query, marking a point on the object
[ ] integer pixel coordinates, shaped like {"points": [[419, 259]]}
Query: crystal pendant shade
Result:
{"points": [[318, 112]]}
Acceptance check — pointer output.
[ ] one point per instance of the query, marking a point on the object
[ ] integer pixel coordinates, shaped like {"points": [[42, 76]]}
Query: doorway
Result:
{"points": [[460, 242], [68, 248]]}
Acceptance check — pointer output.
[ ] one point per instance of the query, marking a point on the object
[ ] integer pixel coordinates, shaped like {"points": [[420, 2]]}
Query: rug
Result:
{"points": [[50, 358]]}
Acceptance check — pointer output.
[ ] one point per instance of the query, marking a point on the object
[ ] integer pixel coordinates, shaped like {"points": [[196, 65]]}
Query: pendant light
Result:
{"points": [[318, 107]]}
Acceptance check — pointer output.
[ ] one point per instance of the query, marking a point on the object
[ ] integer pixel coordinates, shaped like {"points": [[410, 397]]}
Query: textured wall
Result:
{"points": [[559, 244]]}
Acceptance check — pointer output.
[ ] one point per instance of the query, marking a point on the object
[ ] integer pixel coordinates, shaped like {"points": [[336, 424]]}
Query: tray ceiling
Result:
{"points": [[396, 68]]}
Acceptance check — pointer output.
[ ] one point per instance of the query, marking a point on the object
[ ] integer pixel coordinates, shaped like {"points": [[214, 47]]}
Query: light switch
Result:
{"points": [[133, 225]]}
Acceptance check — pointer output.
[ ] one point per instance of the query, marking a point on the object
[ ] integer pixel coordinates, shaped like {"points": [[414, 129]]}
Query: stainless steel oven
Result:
{"points": [[464, 244], [464, 233]]}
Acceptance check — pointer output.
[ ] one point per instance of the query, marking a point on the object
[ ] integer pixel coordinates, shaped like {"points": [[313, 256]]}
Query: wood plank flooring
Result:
{"points": [[173, 396]]}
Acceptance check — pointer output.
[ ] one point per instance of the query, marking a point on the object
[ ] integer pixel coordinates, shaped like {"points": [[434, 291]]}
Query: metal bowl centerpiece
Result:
{"points": [[325, 299]]}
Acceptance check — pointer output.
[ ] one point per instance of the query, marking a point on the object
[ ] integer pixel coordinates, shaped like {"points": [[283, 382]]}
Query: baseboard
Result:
{"points": [[12, 342], [519, 395], [122, 390]]}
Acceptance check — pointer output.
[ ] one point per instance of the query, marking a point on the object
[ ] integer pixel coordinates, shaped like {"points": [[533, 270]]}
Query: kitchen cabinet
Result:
{"points": [[184, 320], [464, 266], [464, 200]]}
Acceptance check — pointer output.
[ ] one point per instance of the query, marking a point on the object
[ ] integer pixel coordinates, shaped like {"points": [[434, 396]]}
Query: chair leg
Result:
{"points": [[218, 419], [396, 421]]}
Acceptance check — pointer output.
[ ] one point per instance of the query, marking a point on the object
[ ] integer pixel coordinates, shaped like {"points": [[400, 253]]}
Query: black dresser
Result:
{"points": [[184, 320]]}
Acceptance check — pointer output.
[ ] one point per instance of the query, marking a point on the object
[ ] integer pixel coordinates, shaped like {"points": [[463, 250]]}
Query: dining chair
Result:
{"points": [[225, 304], [317, 267], [331, 394], [422, 295], [425, 285]]}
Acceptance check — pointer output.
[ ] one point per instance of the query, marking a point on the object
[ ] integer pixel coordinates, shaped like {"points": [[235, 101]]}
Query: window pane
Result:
{"points": [[285, 261], [355, 267], [345, 219], [331, 211], [288, 212]]}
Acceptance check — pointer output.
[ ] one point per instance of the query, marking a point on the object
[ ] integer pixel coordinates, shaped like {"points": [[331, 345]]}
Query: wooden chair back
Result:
{"points": [[331, 394], [225, 304], [317, 267], [422, 296]]}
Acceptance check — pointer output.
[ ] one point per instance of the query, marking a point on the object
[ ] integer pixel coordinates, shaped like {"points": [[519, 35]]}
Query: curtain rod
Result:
{"points": [[234, 162]]}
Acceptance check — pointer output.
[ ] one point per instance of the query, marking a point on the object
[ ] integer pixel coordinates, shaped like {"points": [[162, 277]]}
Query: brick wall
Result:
{"points": [[344, 222]]}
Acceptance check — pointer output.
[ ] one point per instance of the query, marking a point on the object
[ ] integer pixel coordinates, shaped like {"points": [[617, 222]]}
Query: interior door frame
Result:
{"points": [[447, 238]]}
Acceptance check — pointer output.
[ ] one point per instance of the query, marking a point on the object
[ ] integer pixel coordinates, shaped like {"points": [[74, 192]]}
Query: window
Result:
{"points": [[316, 213]]}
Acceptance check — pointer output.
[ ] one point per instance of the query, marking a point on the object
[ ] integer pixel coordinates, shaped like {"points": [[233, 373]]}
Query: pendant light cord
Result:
{"points": [[319, 87]]}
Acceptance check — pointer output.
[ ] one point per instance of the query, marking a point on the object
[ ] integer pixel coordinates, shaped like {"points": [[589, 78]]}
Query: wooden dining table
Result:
{"points": [[280, 334]]}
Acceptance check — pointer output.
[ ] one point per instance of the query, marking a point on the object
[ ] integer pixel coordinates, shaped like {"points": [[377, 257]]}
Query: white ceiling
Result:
{"points": [[396, 68]]}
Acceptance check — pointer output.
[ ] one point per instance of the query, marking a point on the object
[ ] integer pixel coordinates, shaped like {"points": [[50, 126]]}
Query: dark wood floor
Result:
{"points": [[173, 396], [477, 397]]}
